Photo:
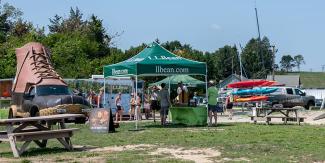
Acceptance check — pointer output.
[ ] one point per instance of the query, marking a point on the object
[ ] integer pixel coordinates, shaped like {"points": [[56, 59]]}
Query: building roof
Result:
{"points": [[287, 80]]}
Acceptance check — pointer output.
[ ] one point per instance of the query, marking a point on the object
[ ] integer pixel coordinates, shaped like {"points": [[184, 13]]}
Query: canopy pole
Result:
{"points": [[169, 96], [104, 94], [136, 100], [206, 95]]}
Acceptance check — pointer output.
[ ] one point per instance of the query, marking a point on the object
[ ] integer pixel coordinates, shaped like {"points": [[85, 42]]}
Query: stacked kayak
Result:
{"points": [[251, 83], [247, 93], [252, 98], [255, 91]]}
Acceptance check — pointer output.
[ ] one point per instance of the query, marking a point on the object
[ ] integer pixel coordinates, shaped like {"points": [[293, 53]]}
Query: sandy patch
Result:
{"points": [[196, 154], [99, 154], [204, 129], [121, 148], [241, 159]]}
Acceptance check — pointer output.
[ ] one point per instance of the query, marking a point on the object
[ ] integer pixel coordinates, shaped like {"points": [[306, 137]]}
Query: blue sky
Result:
{"points": [[294, 27]]}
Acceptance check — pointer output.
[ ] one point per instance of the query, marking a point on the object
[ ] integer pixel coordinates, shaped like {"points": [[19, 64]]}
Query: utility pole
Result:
{"points": [[273, 61], [241, 67], [259, 40]]}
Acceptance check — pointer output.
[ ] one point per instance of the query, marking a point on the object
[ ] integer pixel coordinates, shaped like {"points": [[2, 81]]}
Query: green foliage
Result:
{"points": [[298, 60], [257, 58], [227, 61], [287, 63]]}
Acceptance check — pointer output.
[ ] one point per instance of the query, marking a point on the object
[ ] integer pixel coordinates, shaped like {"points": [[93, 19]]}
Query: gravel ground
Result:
{"points": [[242, 116]]}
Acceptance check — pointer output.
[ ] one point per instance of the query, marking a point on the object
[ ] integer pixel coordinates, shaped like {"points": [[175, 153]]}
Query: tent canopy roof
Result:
{"points": [[155, 60], [175, 79]]}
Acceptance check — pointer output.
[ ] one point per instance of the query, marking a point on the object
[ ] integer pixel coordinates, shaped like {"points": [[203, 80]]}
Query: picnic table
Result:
{"points": [[269, 113], [38, 130]]}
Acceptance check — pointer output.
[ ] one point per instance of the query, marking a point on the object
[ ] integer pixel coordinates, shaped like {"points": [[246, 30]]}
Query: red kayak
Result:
{"points": [[248, 84], [269, 83], [253, 98]]}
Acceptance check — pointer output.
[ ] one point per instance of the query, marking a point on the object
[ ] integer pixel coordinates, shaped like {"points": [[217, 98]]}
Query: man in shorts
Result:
{"points": [[212, 102]]}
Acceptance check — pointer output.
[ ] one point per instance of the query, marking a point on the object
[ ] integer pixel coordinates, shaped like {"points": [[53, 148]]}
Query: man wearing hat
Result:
{"points": [[212, 102]]}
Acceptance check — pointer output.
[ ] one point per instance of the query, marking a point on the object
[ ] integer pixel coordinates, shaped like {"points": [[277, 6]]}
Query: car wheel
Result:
{"points": [[10, 114], [34, 112], [309, 105], [80, 120]]}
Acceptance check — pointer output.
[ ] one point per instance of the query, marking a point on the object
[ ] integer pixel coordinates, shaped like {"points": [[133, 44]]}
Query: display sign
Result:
{"points": [[101, 120]]}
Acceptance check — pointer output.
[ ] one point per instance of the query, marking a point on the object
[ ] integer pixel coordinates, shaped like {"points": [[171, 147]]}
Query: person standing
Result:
{"points": [[154, 102], [182, 93], [138, 107], [146, 106], [229, 105], [212, 102], [164, 103], [119, 110], [132, 107], [100, 98]]}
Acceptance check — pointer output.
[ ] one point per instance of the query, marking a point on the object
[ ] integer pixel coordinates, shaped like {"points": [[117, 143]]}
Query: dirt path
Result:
{"points": [[198, 155]]}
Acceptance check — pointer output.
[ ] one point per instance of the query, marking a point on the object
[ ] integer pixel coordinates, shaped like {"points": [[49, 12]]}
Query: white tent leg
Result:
{"points": [[169, 96], [104, 102], [136, 99], [206, 95]]}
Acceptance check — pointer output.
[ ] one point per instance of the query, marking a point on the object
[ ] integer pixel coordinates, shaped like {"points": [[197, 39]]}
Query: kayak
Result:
{"points": [[255, 91], [269, 83], [253, 98], [247, 84]]}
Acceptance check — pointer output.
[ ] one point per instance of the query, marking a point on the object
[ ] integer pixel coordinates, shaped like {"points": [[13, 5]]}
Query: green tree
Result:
{"points": [[298, 60], [8, 16], [252, 61], [287, 63], [227, 62]]}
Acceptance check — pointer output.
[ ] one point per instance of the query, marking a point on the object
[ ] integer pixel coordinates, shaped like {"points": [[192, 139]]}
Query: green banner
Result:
{"points": [[192, 116]]}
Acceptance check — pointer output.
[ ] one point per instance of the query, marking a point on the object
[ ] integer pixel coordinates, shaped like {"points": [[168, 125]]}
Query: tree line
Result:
{"points": [[81, 47]]}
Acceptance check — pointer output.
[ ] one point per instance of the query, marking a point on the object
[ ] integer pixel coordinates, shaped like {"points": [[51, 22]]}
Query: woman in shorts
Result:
{"points": [[229, 105], [119, 109], [132, 107], [146, 106]]}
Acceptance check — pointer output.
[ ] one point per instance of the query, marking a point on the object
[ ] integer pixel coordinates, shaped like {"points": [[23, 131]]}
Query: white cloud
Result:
{"points": [[215, 26]]}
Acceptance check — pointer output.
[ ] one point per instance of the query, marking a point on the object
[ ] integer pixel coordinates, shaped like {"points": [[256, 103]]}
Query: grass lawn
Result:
{"points": [[258, 143], [3, 113]]}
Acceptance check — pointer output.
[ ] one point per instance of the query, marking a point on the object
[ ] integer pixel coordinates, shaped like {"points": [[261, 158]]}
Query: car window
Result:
{"points": [[289, 91], [52, 90], [279, 91], [32, 91], [298, 92]]}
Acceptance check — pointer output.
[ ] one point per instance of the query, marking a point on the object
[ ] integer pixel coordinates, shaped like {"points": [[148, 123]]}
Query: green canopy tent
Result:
{"points": [[175, 79], [155, 60]]}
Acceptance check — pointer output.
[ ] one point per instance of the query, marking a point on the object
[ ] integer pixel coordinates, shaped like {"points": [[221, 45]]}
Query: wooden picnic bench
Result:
{"points": [[34, 129], [268, 114]]}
